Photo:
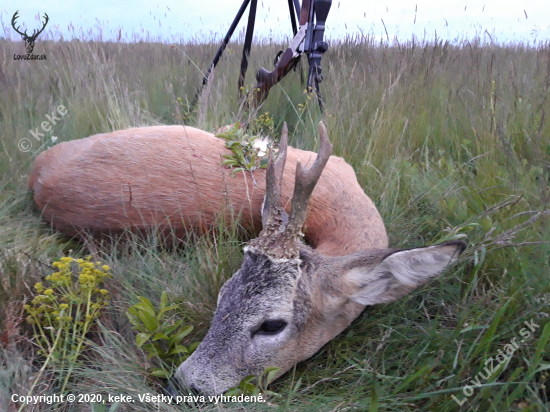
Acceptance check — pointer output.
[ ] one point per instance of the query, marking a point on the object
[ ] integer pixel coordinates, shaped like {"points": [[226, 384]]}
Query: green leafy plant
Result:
{"points": [[246, 154], [253, 385], [63, 312], [159, 335]]}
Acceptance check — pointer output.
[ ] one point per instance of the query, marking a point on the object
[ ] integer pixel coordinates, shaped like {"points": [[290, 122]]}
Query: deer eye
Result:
{"points": [[271, 327]]}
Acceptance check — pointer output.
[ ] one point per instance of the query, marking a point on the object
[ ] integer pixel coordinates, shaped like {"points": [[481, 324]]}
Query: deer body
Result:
{"points": [[288, 299], [171, 177]]}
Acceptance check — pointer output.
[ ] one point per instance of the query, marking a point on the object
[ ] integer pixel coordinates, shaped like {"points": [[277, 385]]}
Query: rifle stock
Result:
{"points": [[304, 13], [267, 79]]}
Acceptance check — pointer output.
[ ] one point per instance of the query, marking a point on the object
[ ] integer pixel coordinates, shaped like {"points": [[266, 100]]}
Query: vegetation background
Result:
{"points": [[447, 139]]}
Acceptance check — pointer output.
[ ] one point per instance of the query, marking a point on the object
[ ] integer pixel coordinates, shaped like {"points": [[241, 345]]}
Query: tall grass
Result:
{"points": [[447, 139]]}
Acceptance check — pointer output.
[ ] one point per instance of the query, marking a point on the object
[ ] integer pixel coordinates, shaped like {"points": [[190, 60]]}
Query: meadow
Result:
{"points": [[450, 140]]}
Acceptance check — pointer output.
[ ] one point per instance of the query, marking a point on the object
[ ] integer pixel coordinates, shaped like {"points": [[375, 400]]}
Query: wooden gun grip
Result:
{"points": [[304, 13], [268, 79]]}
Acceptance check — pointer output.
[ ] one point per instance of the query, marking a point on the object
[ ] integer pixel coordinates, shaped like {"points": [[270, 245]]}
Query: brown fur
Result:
{"points": [[171, 176]]}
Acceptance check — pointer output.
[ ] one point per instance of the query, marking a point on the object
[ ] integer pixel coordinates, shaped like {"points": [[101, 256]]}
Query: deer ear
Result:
{"points": [[400, 272]]}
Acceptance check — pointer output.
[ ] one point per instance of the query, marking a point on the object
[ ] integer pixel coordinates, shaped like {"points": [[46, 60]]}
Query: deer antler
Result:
{"points": [[305, 183], [278, 238], [15, 16], [35, 35], [272, 210]]}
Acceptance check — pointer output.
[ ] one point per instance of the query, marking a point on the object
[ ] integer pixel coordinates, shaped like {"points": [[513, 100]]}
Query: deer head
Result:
{"points": [[29, 40], [288, 300]]}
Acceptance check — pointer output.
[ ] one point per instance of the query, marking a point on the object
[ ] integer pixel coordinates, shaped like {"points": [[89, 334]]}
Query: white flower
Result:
{"points": [[54, 139], [260, 144]]}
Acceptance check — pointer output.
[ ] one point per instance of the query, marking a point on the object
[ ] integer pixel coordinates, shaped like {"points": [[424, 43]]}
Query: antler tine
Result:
{"points": [[15, 16], [306, 179], [44, 26], [274, 177], [278, 238]]}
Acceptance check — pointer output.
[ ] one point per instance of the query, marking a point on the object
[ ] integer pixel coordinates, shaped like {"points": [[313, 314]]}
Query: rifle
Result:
{"points": [[309, 40]]}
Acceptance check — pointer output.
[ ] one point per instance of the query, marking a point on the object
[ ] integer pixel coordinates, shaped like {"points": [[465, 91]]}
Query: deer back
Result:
{"points": [[171, 177]]}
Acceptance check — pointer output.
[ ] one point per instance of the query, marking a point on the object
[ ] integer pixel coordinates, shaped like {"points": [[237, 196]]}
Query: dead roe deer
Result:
{"points": [[288, 299]]}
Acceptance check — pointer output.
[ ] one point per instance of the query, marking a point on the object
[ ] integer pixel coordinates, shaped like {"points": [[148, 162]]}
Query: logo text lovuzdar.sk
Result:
{"points": [[29, 39], [30, 57]]}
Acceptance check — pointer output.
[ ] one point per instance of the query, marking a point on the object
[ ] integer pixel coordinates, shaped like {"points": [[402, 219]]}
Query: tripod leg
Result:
{"points": [[225, 41], [297, 6], [313, 81], [319, 97], [292, 17], [318, 47], [247, 45]]}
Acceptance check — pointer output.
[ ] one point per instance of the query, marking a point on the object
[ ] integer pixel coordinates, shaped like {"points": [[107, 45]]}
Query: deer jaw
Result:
{"points": [[288, 300]]}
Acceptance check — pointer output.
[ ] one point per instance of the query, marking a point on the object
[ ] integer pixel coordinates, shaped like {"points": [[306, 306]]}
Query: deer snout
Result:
{"points": [[196, 377]]}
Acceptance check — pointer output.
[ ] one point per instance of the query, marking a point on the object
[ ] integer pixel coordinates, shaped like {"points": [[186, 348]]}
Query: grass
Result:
{"points": [[447, 139]]}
